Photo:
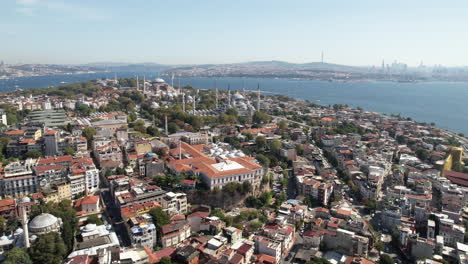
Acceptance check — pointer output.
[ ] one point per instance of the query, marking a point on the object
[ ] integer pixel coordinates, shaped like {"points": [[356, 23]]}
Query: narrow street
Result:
{"points": [[116, 220]]}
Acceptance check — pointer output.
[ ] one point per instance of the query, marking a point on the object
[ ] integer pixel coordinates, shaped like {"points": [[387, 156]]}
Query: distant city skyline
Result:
{"points": [[358, 33]]}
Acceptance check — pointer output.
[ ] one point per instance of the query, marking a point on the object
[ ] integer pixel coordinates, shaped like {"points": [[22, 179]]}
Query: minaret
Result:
{"points": [[115, 77], [167, 130], [138, 85], [229, 95], [144, 83], [216, 97], [258, 97], [180, 150], [322, 56], [183, 102], [179, 87], [24, 222], [194, 104], [172, 80], [243, 88]]}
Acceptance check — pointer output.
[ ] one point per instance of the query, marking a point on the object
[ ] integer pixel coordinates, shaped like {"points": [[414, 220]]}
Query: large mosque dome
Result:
{"points": [[45, 223]]}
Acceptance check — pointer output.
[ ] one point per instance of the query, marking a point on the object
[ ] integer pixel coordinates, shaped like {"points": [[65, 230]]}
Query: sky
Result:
{"points": [[351, 32]]}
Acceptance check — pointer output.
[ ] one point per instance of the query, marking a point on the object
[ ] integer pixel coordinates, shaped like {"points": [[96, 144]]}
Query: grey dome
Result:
{"points": [[42, 221], [238, 96]]}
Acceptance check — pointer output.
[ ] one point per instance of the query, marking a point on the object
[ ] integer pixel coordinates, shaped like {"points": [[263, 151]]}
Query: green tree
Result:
{"points": [[89, 133], [34, 154], [379, 246], [319, 261], [94, 219], [2, 225], [282, 124], [69, 151], [160, 218], [261, 117], [255, 225], [275, 145], [264, 160], [12, 224], [48, 249], [246, 187], [172, 127], [386, 259], [261, 142], [165, 260], [17, 256]]}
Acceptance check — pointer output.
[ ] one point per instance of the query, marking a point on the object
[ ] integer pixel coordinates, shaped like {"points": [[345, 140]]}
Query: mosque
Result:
{"points": [[238, 101], [22, 237]]}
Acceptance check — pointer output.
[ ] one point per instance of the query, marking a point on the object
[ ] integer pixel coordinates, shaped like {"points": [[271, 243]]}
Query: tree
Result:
{"points": [[379, 246], [261, 117], [65, 211], [264, 160], [172, 127], [275, 145], [69, 151], [89, 133], [255, 225], [12, 224], [94, 219], [17, 255], [34, 154], [48, 249], [160, 217], [2, 225], [282, 124], [261, 142], [319, 261], [422, 154], [386, 259], [165, 260], [246, 187], [153, 131]]}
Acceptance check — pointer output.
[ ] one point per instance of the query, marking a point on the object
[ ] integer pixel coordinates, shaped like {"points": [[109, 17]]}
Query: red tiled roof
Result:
{"points": [[199, 214], [44, 168], [58, 159], [14, 132]]}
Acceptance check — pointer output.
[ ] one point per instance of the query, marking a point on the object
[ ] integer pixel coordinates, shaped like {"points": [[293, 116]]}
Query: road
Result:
{"points": [[291, 190], [298, 244], [116, 220]]}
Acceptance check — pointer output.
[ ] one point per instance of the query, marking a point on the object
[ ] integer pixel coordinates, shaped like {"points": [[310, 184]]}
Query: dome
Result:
{"points": [[159, 80], [18, 231], [25, 200], [238, 96], [42, 221], [90, 227]]}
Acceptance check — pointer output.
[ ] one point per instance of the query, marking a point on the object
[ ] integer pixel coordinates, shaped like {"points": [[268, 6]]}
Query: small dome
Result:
{"points": [[90, 227], [43, 220], [159, 80], [18, 231]]}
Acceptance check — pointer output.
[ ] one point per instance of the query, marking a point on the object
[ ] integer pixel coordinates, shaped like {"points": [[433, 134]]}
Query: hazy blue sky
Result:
{"points": [[353, 32]]}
